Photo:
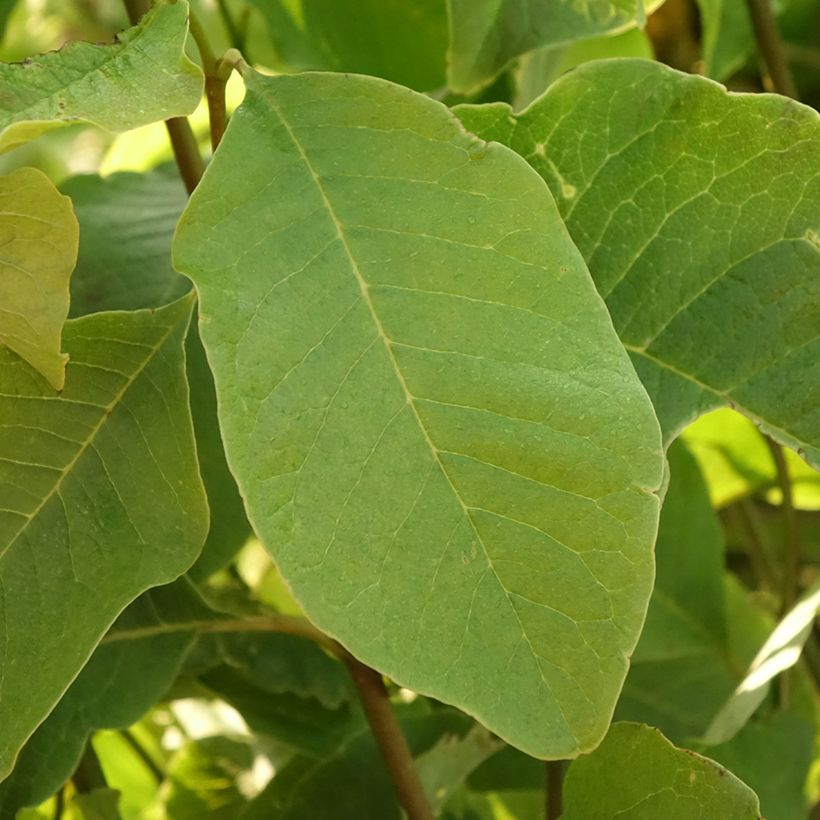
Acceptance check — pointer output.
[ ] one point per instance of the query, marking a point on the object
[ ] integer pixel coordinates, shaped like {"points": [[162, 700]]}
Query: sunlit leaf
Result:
{"points": [[38, 249], [697, 213], [423, 401], [144, 76]]}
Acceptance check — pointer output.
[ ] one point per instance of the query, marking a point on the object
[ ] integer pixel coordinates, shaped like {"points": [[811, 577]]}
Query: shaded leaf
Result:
{"points": [[401, 41], [79, 539], [38, 248], [682, 669], [142, 77], [353, 774], [424, 404], [773, 756], [697, 213], [126, 224], [127, 674], [485, 35], [100, 804], [636, 773]]}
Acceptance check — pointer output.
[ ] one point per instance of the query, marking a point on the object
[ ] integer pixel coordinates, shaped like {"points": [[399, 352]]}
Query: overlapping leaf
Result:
{"points": [[401, 40], [101, 499], [129, 672], [126, 224], [38, 249], [143, 77], [636, 773], [485, 35], [698, 213], [434, 428]]}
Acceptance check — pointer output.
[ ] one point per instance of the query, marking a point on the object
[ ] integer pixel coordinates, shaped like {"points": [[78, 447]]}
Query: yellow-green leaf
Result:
{"points": [[38, 250]]}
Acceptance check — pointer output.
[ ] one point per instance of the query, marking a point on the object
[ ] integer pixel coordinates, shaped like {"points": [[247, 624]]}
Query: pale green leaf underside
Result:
{"points": [[698, 213], [143, 77], [485, 35], [636, 774], [38, 249], [79, 537], [433, 425]]}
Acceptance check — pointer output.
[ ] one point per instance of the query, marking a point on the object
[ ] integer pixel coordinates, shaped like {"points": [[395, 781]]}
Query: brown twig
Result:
{"points": [[390, 739], [771, 47], [554, 788]]}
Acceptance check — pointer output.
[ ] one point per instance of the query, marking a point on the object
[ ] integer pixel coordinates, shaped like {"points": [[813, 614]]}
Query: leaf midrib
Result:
{"points": [[105, 414], [364, 288]]}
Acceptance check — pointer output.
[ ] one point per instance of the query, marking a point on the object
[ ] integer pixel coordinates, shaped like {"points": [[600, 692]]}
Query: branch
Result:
{"points": [[390, 739], [183, 141], [771, 47], [555, 788]]}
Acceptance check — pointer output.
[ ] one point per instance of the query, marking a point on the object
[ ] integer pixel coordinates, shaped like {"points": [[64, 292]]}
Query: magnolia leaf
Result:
{"points": [[142, 77], [682, 669], [698, 213], [38, 249], [486, 35], [780, 652], [773, 757], [130, 670], [79, 539], [636, 773], [126, 224], [429, 417], [399, 40]]}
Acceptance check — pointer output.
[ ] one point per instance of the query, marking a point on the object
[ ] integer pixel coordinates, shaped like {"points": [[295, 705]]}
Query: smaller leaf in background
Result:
{"points": [[736, 461], [100, 804], [537, 69], [126, 224], [773, 755], [636, 773], [127, 221], [485, 35], [780, 652], [351, 783], [143, 77], [395, 39], [444, 768], [38, 249], [129, 672], [728, 39]]}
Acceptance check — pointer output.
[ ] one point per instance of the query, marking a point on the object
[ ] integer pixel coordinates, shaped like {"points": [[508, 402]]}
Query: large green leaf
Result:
{"points": [[697, 213], [485, 35], [79, 537], [400, 40], [38, 249], [126, 224], [129, 672], [142, 77], [433, 426], [636, 774]]}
